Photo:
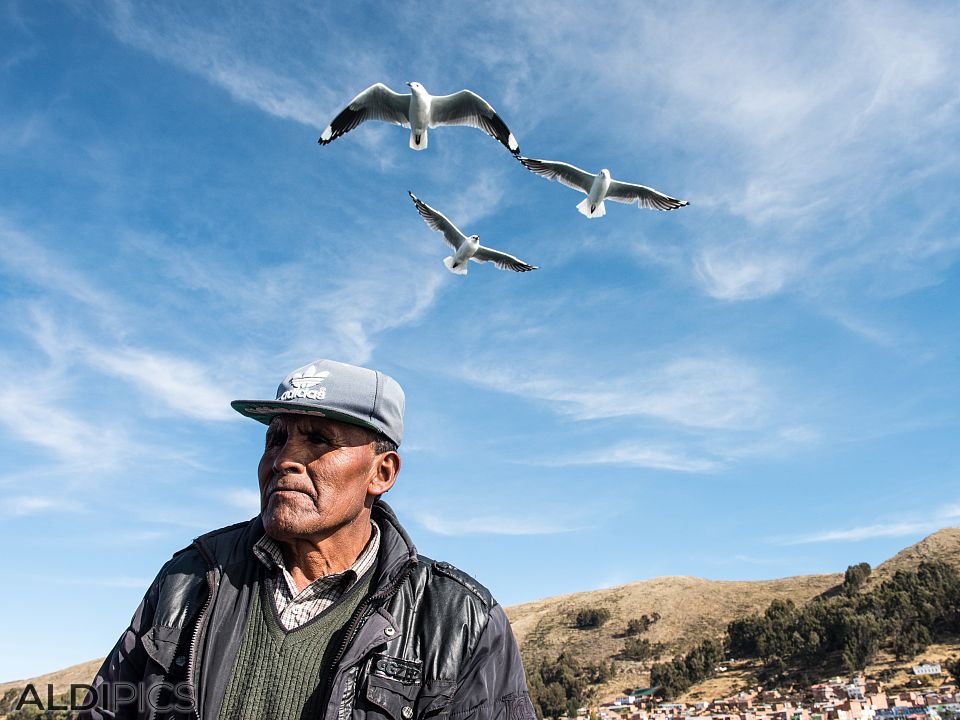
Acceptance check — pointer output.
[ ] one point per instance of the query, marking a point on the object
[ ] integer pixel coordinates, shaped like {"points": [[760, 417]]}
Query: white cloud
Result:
{"points": [[696, 392], [635, 454], [807, 128], [34, 504], [901, 528], [351, 300], [246, 500], [213, 56], [43, 419], [342, 318], [27, 259], [183, 386], [731, 273], [475, 199]]}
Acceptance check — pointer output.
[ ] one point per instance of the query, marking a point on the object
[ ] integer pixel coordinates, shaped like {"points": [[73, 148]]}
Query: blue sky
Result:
{"points": [[759, 385]]}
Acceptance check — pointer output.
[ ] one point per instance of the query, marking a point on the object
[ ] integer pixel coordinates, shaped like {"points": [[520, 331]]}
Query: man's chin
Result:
{"points": [[283, 522]]}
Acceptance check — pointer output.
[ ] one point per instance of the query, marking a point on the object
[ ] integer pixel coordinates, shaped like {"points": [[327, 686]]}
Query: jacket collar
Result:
{"points": [[397, 551], [234, 544]]}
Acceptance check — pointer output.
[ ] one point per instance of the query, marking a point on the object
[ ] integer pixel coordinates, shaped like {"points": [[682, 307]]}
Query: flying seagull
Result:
{"points": [[467, 248], [420, 111], [600, 187]]}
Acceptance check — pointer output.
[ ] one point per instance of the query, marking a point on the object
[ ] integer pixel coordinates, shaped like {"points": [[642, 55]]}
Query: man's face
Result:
{"points": [[313, 475]]}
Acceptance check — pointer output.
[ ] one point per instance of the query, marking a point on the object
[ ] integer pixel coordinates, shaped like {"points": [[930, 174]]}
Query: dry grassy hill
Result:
{"points": [[61, 679], [942, 545], [691, 610]]}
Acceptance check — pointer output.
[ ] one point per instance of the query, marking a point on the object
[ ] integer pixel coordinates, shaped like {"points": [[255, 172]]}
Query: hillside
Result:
{"points": [[61, 679], [942, 545], [691, 610]]}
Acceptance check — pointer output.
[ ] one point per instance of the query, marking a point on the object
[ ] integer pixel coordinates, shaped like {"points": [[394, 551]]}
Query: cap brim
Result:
{"points": [[265, 410]]}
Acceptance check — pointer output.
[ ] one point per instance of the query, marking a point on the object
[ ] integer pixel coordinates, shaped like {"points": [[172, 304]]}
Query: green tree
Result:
{"points": [[861, 642], [638, 649], [855, 577], [554, 701], [556, 687]]}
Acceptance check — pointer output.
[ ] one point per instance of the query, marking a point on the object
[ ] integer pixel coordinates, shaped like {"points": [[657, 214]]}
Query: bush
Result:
{"points": [[592, 618], [676, 676], [642, 649], [641, 624]]}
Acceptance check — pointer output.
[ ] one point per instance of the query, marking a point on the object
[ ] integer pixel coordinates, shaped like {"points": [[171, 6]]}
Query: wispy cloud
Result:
{"points": [[472, 199], [695, 392], [36, 504], [352, 299], [183, 386], [93, 331], [246, 500], [899, 528], [735, 272], [213, 56], [634, 454], [25, 258], [43, 419], [803, 125]]}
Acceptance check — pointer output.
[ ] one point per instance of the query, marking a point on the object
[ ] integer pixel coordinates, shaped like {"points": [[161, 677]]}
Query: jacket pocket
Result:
{"points": [[394, 699], [434, 699], [161, 645]]}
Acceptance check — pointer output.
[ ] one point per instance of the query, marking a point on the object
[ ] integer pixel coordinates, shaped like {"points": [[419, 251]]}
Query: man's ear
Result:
{"points": [[387, 467]]}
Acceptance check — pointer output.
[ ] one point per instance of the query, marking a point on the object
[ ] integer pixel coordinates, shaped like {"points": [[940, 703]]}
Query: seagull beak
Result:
{"points": [[409, 84]]}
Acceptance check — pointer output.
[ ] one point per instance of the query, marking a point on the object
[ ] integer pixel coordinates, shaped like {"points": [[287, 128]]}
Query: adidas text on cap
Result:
{"points": [[338, 391]]}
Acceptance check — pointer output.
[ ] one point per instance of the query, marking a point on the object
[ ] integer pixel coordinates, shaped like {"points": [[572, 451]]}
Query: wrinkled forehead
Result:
{"points": [[294, 422]]}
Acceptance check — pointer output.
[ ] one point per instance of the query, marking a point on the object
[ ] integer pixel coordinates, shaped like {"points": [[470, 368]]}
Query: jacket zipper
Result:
{"points": [[191, 656], [360, 616]]}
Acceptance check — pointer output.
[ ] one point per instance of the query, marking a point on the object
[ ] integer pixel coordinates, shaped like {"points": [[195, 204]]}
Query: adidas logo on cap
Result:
{"points": [[305, 381]]}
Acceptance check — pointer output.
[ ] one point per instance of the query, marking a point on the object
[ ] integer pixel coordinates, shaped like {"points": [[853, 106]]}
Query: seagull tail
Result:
{"points": [[598, 211], [418, 139], [455, 269]]}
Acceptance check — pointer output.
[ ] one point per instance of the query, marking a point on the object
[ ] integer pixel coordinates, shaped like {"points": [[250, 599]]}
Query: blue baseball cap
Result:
{"points": [[338, 391]]}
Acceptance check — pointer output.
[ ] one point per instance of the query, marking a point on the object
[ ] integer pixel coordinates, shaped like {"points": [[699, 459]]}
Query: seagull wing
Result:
{"points": [[569, 175], [436, 220], [468, 108], [502, 260], [629, 194], [377, 102]]}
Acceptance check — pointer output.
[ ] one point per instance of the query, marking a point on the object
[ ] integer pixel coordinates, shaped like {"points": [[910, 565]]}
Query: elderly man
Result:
{"points": [[320, 607]]}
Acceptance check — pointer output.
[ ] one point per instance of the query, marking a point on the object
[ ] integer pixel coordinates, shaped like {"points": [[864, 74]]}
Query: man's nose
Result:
{"points": [[287, 459]]}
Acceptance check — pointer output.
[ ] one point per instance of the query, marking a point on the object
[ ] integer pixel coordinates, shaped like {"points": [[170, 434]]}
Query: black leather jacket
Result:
{"points": [[427, 641]]}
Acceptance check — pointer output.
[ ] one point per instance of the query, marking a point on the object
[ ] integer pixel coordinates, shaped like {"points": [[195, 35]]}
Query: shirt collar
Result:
{"points": [[268, 551]]}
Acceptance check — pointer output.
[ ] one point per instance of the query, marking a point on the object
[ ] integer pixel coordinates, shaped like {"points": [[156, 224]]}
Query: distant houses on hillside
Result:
{"points": [[855, 698]]}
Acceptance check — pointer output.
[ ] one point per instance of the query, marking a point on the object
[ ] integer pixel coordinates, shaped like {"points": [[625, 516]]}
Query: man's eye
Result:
{"points": [[318, 439]]}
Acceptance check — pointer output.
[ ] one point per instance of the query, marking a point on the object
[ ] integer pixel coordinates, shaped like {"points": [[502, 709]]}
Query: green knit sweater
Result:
{"points": [[281, 674]]}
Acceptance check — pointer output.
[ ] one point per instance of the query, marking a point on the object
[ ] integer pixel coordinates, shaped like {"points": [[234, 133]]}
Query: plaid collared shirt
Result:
{"points": [[296, 607]]}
